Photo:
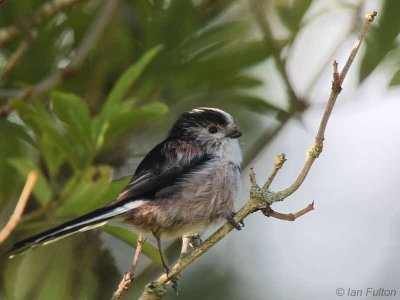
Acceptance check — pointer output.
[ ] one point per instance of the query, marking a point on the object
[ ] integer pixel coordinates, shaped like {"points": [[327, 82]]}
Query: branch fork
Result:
{"points": [[267, 197]]}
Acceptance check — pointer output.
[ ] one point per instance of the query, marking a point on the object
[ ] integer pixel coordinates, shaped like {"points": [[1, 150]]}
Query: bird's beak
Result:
{"points": [[235, 133]]}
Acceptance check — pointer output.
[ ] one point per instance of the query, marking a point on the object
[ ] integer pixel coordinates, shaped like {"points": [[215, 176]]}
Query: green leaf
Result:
{"points": [[15, 143], [88, 190], [18, 131], [130, 238], [113, 105], [242, 81], [292, 15], [127, 119], [255, 104], [42, 190], [61, 267], [214, 70], [129, 77], [395, 79], [102, 124], [50, 142], [30, 115], [213, 38], [74, 112], [381, 39], [53, 153]]}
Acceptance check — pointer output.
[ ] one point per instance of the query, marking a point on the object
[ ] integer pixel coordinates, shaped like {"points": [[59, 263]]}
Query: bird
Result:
{"points": [[185, 184]]}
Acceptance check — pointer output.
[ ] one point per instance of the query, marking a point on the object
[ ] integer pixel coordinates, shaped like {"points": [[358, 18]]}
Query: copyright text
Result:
{"points": [[366, 292]]}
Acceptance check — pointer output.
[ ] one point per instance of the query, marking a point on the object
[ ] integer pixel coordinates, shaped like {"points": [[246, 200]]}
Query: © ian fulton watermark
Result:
{"points": [[366, 292]]}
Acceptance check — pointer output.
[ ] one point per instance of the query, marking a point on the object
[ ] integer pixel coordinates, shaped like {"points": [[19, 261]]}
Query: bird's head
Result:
{"points": [[212, 129]]}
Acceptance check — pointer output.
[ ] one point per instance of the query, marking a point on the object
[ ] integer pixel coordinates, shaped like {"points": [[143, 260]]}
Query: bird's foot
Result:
{"points": [[189, 242], [195, 240], [236, 225], [166, 270]]}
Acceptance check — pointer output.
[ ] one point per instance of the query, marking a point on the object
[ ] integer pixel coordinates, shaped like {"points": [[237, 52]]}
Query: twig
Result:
{"points": [[46, 84], [269, 212], [279, 161], [252, 176], [19, 53], [259, 198], [368, 19], [333, 50], [314, 152], [19, 209], [34, 19], [138, 252], [129, 276]]}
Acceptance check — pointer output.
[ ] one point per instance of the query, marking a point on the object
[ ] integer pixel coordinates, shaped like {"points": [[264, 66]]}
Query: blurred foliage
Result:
{"points": [[155, 59], [291, 16], [61, 276], [65, 139], [382, 39]]}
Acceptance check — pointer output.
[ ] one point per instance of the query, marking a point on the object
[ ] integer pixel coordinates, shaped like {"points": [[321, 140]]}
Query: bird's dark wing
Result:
{"points": [[167, 163], [163, 166]]}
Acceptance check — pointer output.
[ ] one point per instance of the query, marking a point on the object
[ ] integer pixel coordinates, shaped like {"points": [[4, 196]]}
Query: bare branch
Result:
{"points": [[34, 19], [129, 276], [328, 58], [252, 176], [368, 19], [19, 53], [19, 209], [305, 210], [279, 161], [269, 212]]}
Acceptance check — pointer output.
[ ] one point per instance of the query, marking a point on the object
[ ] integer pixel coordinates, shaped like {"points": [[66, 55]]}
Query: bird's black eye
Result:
{"points": [[212, 129]]}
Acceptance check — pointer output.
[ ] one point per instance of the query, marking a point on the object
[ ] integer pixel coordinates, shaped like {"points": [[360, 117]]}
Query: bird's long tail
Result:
{"points": [[91, 220]]}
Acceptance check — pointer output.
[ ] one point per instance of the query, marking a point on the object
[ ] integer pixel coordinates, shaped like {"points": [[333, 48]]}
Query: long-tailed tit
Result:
{"points": [[183, 185]]}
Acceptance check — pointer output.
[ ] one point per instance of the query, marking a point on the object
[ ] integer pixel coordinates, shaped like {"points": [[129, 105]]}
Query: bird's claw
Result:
{"points": [[166, 271], [175, 285], [236, 225], [195, 240], [173, 280]]}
